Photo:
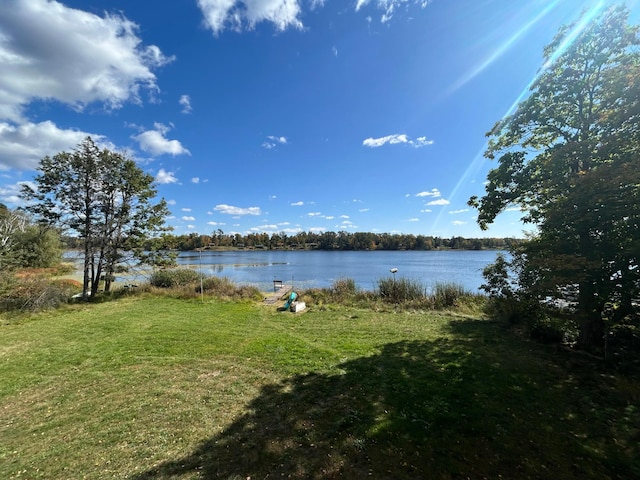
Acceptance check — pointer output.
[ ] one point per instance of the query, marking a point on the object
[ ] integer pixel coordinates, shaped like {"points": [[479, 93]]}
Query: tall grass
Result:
{"points": [[400, 292]]}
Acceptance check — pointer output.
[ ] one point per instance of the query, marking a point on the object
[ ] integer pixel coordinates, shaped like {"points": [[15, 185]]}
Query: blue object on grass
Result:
{"points": [[291, 299]]}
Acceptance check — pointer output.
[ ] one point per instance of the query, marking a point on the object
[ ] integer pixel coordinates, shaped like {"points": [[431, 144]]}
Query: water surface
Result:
{"points": [[308, 269]]}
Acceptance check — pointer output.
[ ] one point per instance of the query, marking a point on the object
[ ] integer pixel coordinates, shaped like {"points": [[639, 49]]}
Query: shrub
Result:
{"points": [[35, 293], [622, 346], [177, 277]]}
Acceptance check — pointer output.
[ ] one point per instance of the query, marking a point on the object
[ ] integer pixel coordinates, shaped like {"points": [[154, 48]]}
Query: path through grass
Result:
{"points": [[159, 388]]}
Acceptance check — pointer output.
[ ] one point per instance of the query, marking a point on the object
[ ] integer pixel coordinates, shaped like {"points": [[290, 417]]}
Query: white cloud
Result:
{"points": [[231, 210], [215, 224], [155, 142], [273, 141], [458, 222], [414, 219], [263, 228], [395, 139], [10, 194], [426, 210], [185, 102], [188, 218], [455, 212], [421, 142], [335, 51], [434, 192], [314, 214], [390, 6], [171, 202], [241, 15], [317, 229], [164, 177], [49, 51], [195, 180], [297, 204], [440, 201], [23, 146], [185, 209]]}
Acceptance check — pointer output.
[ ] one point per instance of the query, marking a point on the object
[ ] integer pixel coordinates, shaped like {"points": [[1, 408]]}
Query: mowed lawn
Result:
{"points": [[149, 387]]}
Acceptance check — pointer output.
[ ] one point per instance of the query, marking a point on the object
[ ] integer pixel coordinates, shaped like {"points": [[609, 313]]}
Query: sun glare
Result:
{"points": [[587, 17], [498, 52]]}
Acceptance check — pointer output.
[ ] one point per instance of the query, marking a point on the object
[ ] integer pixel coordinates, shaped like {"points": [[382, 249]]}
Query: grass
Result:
{"points": [[154, 387]]}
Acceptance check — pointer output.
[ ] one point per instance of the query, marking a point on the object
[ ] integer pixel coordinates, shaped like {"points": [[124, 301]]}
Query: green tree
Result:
{"points": [[105, 199], [569, 157], [25, 244]]}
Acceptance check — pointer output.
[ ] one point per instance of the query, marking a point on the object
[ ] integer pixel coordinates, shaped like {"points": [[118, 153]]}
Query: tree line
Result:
{"points": [[321, 241]]}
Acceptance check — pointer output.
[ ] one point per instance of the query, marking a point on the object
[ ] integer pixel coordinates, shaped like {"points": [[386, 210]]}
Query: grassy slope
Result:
{"points": [[158, 388]]}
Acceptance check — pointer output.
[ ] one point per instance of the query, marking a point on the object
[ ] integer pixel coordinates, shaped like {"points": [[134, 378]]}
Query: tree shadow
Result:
{"points": [[472, 405]]}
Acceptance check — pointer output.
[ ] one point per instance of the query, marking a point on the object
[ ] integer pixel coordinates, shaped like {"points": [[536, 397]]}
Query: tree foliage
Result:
{"points": [[25, 244], [104, 199], [568, 157], [328, 241]]}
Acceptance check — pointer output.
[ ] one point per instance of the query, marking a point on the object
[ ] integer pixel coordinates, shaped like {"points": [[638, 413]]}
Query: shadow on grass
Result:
{"points": [[477, 404]]}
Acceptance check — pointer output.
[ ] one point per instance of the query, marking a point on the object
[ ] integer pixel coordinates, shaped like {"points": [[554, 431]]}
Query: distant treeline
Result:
{"points": [[320, 241]]}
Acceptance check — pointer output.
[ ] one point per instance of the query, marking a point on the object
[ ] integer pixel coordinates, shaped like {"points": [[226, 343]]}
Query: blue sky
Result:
{"points": [[279, 115]]}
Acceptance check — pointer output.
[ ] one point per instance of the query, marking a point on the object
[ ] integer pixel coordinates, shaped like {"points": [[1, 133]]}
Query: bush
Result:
{"points": [[177, 277], [35, 293], [622, 346]]}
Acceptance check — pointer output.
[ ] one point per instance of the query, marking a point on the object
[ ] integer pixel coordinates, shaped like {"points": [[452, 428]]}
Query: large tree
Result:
{"points": [[105, 199], [568, 157]]}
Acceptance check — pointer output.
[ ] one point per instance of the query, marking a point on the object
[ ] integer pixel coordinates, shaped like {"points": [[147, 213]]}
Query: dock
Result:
{"points": [[279, 294]]}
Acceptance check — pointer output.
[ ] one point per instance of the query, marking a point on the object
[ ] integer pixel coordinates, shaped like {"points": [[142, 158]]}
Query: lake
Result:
{"points": [[309, 269]]}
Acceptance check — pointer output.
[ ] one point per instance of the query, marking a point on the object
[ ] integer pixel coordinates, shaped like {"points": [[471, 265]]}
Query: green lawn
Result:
{"points": [[160, 388]]}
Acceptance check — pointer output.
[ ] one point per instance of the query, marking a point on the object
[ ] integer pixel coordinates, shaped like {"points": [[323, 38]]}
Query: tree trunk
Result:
{"points": [[591, 323]]}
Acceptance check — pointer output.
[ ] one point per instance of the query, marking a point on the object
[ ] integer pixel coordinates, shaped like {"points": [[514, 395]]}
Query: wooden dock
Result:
{"points": [[279, 295]]}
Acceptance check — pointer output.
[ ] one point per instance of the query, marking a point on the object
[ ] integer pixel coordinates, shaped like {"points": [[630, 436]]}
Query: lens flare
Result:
{"points": [[501, 49], [477, 161]]}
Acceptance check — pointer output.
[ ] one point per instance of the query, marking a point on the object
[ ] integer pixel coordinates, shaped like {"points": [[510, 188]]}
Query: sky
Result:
{"points": [[279, 115]]}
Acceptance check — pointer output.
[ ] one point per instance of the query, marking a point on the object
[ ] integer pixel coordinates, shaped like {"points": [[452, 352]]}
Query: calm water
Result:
{"points": [[309, 269]]}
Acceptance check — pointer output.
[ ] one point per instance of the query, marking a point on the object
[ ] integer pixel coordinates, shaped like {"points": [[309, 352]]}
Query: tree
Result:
{"points": [[105, 199], [24, 244], [11, 225], [569, 157]]}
